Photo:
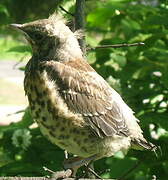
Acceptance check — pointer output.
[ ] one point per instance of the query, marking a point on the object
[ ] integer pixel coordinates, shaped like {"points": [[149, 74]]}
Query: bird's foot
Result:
{"points": [[91, 173], [60, 174], [76, 162]]}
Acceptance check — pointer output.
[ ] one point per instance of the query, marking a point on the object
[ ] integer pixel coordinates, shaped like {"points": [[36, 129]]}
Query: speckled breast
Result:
{"points": [[62, 127]]}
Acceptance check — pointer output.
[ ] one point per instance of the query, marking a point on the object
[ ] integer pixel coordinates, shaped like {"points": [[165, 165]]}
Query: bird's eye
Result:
{"points": [[38, 36]]}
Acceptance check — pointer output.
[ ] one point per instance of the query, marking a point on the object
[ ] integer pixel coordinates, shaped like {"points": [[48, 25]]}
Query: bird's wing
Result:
{"points": [[87, 93]]}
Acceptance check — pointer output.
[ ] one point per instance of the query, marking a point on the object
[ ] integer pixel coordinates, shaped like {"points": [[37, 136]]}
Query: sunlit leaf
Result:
{"points": [[4, 10], [20, 49]]}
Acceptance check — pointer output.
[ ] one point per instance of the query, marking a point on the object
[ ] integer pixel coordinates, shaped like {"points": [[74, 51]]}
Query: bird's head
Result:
{"points": [[46, 36]]}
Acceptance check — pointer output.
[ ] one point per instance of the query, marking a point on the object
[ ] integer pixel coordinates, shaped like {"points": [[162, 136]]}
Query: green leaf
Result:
{"points": [[4, 10], [100, 15], [157, 20], [119, 59], [165, 77], [20, 49]]}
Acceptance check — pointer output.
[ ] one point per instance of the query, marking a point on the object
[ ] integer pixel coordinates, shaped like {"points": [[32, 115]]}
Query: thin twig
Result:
{"points": [[43, 178], [17, 63], [66, 11], [17, 112], [129, 171], [117, 45], [24, 178], [94, 173], [49, 170]]}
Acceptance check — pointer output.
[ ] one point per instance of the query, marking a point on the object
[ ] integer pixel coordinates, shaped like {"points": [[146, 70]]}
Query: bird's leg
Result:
{"points": [[75, 163], [66, 154], [90, 171], [71, 166], [89, 168]]}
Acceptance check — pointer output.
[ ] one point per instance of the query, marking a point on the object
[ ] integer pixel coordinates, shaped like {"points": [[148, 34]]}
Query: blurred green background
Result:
{"points": [[139, 74]]}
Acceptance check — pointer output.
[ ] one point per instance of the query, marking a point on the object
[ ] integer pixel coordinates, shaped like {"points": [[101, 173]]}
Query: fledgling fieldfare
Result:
{"points": [[72, 104]]}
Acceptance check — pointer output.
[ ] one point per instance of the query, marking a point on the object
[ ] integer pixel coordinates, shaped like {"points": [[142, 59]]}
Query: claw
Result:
{"points": [[62, 174], [75, 163]]}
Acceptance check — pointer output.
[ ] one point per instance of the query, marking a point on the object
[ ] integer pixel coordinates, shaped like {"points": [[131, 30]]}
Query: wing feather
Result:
{"points": [[88, 94]]}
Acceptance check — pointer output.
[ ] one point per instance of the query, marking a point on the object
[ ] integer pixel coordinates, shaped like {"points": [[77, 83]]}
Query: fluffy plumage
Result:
{"points": [[67, 97]]}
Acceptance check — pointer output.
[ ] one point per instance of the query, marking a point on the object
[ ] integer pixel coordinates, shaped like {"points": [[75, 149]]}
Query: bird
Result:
{"points": [[75, 108]]}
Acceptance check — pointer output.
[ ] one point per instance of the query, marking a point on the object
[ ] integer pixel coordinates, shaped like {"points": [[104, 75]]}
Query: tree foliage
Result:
{"points": [[139, 74]]}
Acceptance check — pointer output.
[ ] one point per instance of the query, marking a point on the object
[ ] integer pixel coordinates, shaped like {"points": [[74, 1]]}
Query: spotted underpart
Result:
{"points": [[62, 127], [74, 106]]}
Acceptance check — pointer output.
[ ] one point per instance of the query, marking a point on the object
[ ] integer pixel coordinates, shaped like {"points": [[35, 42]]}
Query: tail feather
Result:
{"points": [[142, 143]]}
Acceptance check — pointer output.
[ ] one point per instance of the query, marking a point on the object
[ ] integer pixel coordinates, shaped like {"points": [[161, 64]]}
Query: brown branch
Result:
{"points": [[80, 21], [116, 46], [43, 178], [24, 178]]}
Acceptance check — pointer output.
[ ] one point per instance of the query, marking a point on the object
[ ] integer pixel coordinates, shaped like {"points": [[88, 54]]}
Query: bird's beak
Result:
{"points": [[20, 27], [17, 27]]}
